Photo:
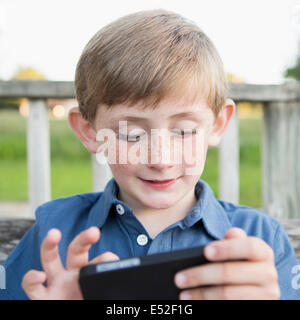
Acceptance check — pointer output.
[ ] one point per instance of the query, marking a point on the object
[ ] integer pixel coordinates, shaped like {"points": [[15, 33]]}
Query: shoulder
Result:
{"points": [[254, 221], [257, 223], [66, 211]]}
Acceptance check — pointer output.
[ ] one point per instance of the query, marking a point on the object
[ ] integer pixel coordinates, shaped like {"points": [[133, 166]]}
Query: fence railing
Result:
{"points": [[280, 143]]}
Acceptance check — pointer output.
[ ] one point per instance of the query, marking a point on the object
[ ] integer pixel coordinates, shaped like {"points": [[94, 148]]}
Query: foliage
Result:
{"points": [[9, 103], [28, 73], [294, 71]]}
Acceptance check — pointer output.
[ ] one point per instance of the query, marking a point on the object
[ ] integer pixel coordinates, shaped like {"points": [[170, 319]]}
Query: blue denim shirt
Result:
{"points": [[123, 234]]}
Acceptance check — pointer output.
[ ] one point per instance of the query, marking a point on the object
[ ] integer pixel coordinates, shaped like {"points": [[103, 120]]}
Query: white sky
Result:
{"points": [[257, 39]]}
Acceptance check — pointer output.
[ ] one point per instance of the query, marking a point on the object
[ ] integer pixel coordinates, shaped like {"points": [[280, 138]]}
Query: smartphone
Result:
{"points": [[139, 277]]}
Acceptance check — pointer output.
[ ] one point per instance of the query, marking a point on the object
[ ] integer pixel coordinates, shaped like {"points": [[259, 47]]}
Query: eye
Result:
{"points": [[184, 132], [130, 138]]}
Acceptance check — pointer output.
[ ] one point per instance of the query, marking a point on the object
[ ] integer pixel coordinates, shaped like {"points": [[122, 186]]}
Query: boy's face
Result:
{"points": [[150, 145]]}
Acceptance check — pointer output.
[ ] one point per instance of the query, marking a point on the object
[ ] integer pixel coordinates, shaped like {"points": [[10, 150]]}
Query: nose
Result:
{"points": [[159, 165], [160, 153]]}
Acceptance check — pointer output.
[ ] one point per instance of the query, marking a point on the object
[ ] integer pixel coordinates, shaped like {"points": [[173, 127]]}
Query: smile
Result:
{"points": [[159, 184]]}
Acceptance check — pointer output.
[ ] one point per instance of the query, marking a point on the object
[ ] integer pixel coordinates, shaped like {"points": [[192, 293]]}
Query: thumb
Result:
{"points": [[235, 233], [105, 257]]}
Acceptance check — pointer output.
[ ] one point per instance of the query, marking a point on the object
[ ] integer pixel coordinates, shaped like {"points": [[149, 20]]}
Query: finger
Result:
{"points": [[105, 257], [50, 256], [77, 255], [231, 293], [253, 273], [32, 284], [250, 248], [235, 233]]}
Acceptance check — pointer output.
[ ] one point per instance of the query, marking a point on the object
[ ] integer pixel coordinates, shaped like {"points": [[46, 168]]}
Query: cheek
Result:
{"points": [[123, 166], [195, 155], [123, 171], [194, 149]]}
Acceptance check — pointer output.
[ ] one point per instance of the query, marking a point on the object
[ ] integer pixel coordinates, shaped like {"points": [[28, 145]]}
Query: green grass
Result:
{"points": [[67, 179], [70, 178], [71, 162]]}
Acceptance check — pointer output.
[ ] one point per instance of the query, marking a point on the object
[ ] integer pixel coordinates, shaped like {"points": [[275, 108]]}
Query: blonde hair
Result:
{"points": [[146, 57]]}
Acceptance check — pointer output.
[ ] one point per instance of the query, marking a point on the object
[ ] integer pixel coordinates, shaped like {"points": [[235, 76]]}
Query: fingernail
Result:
{"points": [[185, 296], [211, 252], [180, 279], [93, 228], [53, 231]]}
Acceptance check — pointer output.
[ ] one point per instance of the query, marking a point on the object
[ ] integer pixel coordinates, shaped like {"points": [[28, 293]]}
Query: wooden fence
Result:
{"points": [[280, 143]]}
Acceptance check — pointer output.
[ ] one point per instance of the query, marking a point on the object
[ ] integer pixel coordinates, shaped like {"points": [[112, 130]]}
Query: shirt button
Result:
{"points": [[142, 239], [120, 209]]}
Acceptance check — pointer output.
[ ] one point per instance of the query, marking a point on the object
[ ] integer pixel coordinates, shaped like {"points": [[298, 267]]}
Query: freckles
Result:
{"points": [[195, 155], [123, 168], [189, 154], [121, 153], [122, 165]]}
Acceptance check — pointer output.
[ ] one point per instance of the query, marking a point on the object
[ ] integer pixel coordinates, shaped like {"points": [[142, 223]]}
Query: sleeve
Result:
{"points": [[286, 262], [24, 257]]}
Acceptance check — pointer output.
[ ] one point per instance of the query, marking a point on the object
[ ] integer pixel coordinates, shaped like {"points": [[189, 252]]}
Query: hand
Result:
{"points": [[254, 278], [62, 283]]}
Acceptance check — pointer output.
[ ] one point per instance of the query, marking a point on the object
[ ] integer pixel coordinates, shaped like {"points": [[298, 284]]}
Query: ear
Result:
{"points": [[83, 129], [221, 123]]}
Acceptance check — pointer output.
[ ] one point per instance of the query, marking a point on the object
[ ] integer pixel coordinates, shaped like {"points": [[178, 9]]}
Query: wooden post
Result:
{"points": [[229, 162], [281, 158], [38, 154], [101, 174]]}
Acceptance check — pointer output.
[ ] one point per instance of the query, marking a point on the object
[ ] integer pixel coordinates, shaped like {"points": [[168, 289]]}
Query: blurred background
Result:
{"points": [[42, 40]]}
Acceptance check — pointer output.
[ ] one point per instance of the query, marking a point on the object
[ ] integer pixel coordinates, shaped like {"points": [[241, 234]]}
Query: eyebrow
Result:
{"points": [[181, 115]]}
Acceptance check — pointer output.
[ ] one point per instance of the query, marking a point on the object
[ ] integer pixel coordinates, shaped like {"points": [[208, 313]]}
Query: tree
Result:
{"points": [[294, 72], [28, 73]]}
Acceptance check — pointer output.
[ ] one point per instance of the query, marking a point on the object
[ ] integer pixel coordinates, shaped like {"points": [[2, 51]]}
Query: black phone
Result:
{"points": [[139, 277]]}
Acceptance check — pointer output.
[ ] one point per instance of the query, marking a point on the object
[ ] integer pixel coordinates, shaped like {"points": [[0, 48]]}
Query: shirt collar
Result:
{"points": [[208, 208], [99, 212]]}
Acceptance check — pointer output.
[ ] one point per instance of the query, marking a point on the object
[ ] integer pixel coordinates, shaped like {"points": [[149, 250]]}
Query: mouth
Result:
{"points": [[159, 184]]}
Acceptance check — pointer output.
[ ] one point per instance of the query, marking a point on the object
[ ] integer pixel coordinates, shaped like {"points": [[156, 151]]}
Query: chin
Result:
{"points": [[159, 204]]}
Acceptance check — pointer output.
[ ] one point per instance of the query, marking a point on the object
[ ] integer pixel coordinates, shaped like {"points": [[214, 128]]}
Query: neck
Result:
{"points": [[182, 208], [167, 216]]}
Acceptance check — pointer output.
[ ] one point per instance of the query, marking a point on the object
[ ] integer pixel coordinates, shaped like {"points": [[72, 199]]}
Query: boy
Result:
{"points": [[152, 70]]}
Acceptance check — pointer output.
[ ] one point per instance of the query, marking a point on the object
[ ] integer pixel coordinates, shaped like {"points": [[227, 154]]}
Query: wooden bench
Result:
{"points": [[12, 230]]}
